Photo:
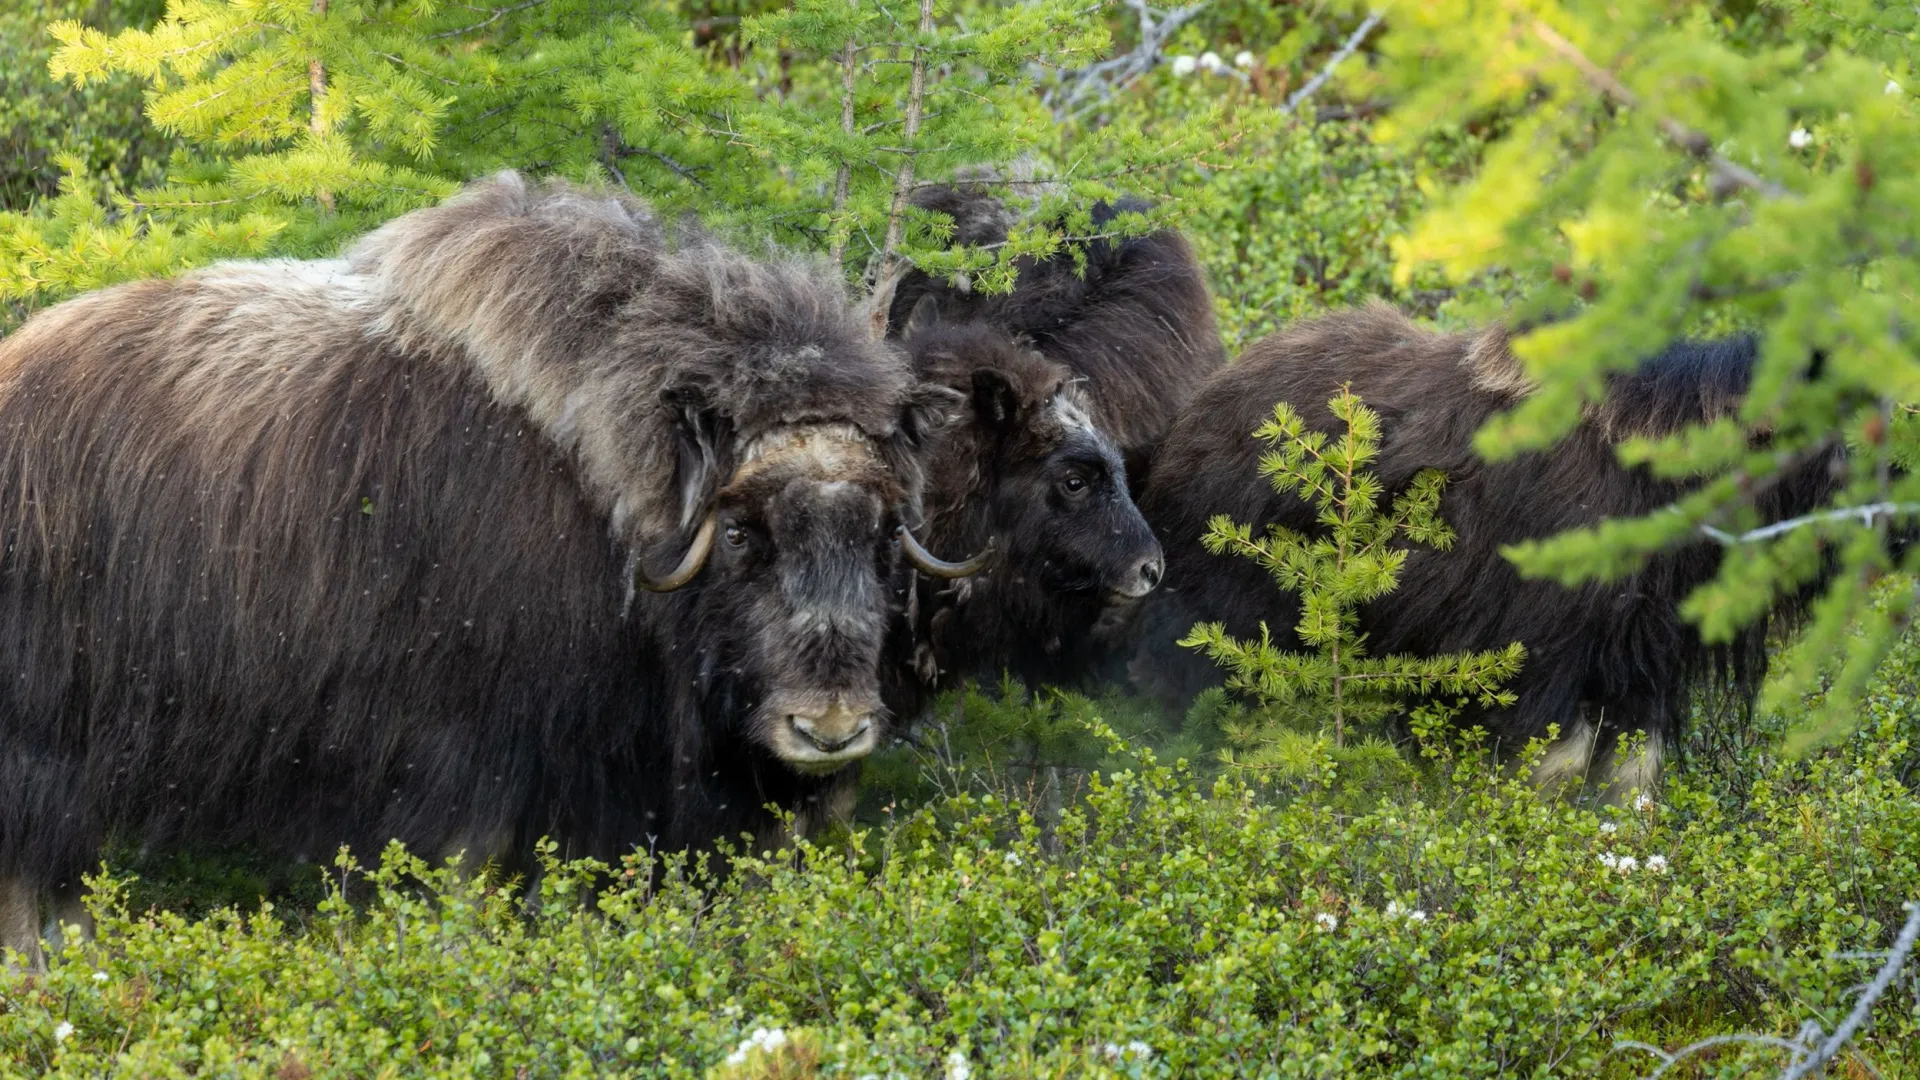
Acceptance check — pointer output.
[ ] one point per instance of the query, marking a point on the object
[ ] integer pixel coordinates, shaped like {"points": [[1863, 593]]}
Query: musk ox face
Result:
{"points": [[796, 570], [1063, 507]]}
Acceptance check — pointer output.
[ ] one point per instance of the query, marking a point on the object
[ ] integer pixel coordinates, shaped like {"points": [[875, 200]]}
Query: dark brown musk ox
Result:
{"points": [[1131, 316], [1072, 378], [308, 553], [1603, 658]]}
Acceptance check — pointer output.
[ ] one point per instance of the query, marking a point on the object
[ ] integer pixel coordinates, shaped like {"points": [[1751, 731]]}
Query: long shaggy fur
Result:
{"points": [[1617, 654], [304, 553], [1137, 326]]}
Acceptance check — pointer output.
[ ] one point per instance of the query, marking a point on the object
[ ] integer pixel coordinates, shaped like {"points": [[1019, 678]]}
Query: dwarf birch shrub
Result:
{"points": [[1178, 927]]}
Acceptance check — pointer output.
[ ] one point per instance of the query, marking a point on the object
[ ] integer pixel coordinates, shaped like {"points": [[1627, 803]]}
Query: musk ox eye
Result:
{"points": [[1074, 485], [736, 536]]}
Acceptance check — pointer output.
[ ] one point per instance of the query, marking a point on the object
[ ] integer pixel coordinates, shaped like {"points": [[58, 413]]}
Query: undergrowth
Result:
{"points": [[1151, 922]]}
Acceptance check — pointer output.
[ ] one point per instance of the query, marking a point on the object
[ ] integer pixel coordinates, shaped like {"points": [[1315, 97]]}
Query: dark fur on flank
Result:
{"points": [[1138, 327], [1027, 470], [302, 554], [1617, 653]]}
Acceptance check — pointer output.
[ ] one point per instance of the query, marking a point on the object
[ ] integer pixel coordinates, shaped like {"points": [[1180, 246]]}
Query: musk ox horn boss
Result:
{"points": [[308, 553]]}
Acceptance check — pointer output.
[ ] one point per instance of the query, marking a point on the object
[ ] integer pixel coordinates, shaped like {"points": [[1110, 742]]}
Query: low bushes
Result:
{"points": [[1165, 924]]}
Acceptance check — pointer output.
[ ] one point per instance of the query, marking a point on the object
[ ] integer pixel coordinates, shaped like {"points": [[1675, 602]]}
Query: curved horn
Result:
{"points": [[922, 559], [690, 564]]}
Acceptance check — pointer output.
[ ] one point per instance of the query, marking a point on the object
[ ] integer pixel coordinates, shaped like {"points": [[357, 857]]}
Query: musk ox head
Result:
{"points": [[788, 587], [1035, 474]]}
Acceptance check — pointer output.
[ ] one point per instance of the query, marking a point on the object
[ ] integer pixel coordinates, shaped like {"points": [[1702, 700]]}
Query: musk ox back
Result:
{"points": [[304, 553], [1603, 658], [1135, 322]]}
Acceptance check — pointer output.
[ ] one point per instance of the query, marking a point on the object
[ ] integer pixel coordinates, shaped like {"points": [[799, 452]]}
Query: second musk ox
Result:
{"points": [[1603, 658], [1071, 379], [518, 520]]}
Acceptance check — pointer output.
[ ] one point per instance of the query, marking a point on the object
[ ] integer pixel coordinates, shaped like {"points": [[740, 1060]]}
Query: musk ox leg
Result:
{"points": [[1567, 760], [831, 804], [69, 914], [1633, 770], [20, 922]]}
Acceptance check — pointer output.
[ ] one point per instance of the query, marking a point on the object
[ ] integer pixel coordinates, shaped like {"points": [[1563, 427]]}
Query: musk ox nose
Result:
{"points": [[1139, 580], [829, 727]]}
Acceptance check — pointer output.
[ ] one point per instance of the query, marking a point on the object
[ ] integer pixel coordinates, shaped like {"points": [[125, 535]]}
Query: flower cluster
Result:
{"points": [[1210, 62], [1133, 1051], [1624, 864], [766, 1040], [1396, 910]]}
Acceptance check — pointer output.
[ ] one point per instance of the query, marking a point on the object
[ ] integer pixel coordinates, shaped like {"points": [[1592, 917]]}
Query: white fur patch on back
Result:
{"points": [[1493, 368]]}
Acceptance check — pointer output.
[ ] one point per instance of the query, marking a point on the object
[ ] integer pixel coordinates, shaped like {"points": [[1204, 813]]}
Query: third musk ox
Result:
{"points": [[304, 553], [1071, 380], [1603, 658]]}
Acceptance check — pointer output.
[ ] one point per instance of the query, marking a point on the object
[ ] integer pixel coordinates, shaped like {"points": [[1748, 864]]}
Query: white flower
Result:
{"points": [[1210, 61], [1799, 139], [101, 976], [1396, 911], [1892, 87], [1608, 828], [769, 1040], [957, 1067], [1643, 803], [1656, 864], [1243, 59], [1609, 860], [1013, 858], [1627, 864], [63, 1032], [1183, 66], [1133, 1051], [1327, 920]]}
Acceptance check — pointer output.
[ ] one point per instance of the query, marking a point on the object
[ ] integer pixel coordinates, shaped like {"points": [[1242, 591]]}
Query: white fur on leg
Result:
{"points": [[1566, 761], [1628, 772], [20, 921], [69, 914]]}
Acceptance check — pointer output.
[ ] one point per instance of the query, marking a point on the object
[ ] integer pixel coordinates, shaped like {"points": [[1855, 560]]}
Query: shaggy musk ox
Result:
{"points": [[308, 553], [1028, 472], [1602, 659], [1072, 379], [1136, 322]]}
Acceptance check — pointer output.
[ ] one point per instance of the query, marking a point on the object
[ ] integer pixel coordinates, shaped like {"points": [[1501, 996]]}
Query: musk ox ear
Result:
{"points": [[930, 410], [925, 316], [700, 437], [995, 401]]}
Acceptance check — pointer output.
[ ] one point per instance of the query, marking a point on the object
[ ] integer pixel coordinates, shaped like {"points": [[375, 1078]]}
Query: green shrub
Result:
{"points": [[1463, 928]]}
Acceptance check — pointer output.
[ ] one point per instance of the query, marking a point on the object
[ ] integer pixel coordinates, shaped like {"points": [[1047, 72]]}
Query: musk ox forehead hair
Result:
{"points": [[616, 335], [825, 450]]}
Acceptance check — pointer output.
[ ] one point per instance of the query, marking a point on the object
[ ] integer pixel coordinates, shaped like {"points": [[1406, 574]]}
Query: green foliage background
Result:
{"points": [[1025, 890]]}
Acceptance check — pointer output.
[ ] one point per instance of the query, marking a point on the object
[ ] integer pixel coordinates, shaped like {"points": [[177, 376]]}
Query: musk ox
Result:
{"points": [[1131, 316], [308, 553], [1072, 379], [1027, 472], [1602, 659]]}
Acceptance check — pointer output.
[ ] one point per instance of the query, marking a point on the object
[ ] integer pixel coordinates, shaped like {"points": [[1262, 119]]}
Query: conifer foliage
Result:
{"points": [[810, 124], [1356, 560], [1672, 168]]}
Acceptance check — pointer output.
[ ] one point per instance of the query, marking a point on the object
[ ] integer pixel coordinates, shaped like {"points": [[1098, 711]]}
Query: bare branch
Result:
{"points": [[903, 179], [1808, 1058], [1727, 174], [316, 97], [1347, 48], [1099, 81], [497, 15], [843, 180], [1867, 514]]}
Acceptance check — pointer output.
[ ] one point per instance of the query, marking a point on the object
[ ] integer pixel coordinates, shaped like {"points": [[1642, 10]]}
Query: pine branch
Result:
{"points": [[1728, 176]]}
